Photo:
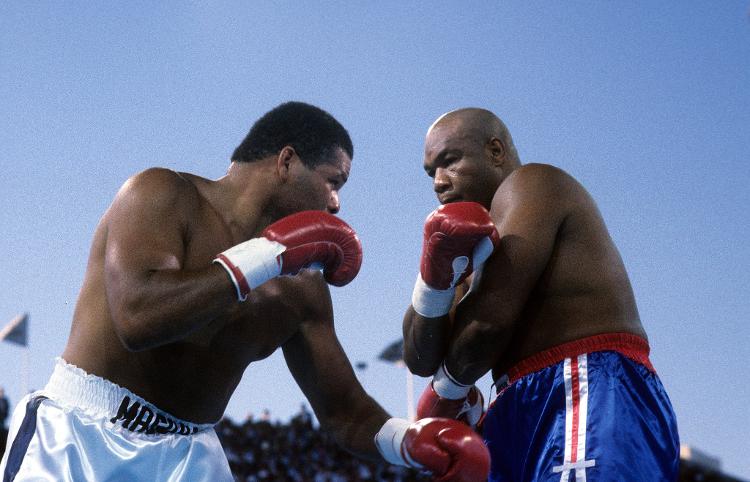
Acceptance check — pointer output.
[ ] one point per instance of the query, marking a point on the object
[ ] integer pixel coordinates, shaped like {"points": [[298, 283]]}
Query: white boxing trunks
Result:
{"points": [[81, 427]]}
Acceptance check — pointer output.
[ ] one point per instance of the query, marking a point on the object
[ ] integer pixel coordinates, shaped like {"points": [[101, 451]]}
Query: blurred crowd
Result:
{"points": [[4, 412], [262, 450]]}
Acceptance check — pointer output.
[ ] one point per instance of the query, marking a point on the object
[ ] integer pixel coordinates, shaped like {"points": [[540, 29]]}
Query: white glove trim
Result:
{"points": [[448, 387], [389, 439], [252, 263], [236, 276], [459, 265], [482, 251], [429, 302]]}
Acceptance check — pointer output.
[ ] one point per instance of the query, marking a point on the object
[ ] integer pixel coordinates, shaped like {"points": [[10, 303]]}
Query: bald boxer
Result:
{"points": [[189, 280], [520, 277]]}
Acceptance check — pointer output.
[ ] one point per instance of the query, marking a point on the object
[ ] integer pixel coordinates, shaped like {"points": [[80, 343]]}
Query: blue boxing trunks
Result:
{"points": [[81, 427], [589, 410]]}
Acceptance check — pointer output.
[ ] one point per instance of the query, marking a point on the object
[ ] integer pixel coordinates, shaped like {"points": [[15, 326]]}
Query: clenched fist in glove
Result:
{"points": [[448, 449], [458, 238], [308, 239], [446, 397]]}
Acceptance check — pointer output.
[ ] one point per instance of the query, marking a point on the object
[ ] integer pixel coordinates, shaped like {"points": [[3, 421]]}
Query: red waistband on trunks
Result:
{"points": [[632, 346]]}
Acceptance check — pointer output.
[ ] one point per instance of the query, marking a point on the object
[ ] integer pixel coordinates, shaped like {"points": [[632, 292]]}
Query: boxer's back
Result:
{"points": [[583, 288]]}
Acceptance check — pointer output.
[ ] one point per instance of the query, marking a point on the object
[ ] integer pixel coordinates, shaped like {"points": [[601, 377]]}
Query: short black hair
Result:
{"points": [[311, 131]]}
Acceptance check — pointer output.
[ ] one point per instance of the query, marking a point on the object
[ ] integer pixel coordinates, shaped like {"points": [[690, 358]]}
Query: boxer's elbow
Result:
{"points": [[132, 335], [130, 310], [135, 327], [484, 336], [135, 343], [422, 366], [480, 326], [425, 371]]}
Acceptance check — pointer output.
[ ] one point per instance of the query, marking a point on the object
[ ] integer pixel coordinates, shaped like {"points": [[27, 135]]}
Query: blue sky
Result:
{"points": [[646, 103]]}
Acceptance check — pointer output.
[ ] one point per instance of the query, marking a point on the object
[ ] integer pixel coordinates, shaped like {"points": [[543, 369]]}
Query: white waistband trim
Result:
{"points": [[73, 388]]}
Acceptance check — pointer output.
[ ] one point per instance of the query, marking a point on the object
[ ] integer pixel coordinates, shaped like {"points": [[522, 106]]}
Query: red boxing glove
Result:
{"points": [[448, 449], [451, 233], [458, 238], [308, 239], [445, 397], [318, 237]]}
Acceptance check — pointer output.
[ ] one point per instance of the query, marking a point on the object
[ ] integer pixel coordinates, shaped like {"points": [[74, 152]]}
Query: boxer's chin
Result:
{"points": [[451, 199]]}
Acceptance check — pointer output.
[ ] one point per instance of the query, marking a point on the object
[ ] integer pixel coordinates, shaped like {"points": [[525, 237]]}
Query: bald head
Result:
{"points": [[468, 153], [478, 125]]}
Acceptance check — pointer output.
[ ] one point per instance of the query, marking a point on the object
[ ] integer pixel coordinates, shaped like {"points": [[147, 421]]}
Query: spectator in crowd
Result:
{"points": [[4, 407], [266, 450], [4, 410]]}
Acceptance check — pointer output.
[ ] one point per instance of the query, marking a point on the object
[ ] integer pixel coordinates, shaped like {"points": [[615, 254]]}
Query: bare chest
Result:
{"points": [[253, 329]]}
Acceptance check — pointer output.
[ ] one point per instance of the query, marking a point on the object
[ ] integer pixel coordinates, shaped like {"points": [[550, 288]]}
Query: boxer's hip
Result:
{"points": [[73, 388], [83, 427], [631, 346], [583, 409]]}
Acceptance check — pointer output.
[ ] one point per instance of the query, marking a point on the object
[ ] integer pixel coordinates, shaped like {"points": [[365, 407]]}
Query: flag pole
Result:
{"points": [[409, 395], [25, 372], [394, 353]]}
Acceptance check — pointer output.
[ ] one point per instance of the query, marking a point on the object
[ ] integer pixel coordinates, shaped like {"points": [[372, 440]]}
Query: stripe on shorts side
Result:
{"points": [[575, 375], [22, 439]]}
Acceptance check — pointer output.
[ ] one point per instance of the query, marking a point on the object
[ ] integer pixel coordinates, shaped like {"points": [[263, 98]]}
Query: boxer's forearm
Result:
{"points": [[457, 239], [165, 306], [324, 374], [354, 429], [476, 349], [425, 342]]}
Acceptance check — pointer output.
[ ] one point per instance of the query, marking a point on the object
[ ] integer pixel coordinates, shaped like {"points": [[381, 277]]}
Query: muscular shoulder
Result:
{"points": [[159, 183], [542, 185], [539, 178], [157, 189], [538, 196]]}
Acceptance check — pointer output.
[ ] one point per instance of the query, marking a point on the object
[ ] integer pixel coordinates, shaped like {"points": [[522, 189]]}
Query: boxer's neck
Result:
{"points": [[243, 198]]}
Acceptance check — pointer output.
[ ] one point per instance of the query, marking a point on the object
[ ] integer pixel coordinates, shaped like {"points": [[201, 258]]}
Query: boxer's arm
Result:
{"points": [[528, 210], [153, 300], [426, 340], [457, 239], [323, 372], [447, 449]]}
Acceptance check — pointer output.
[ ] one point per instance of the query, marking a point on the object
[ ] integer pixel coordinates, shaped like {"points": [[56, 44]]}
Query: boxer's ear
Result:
{"points": [[284, 161], [496, 150]]}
